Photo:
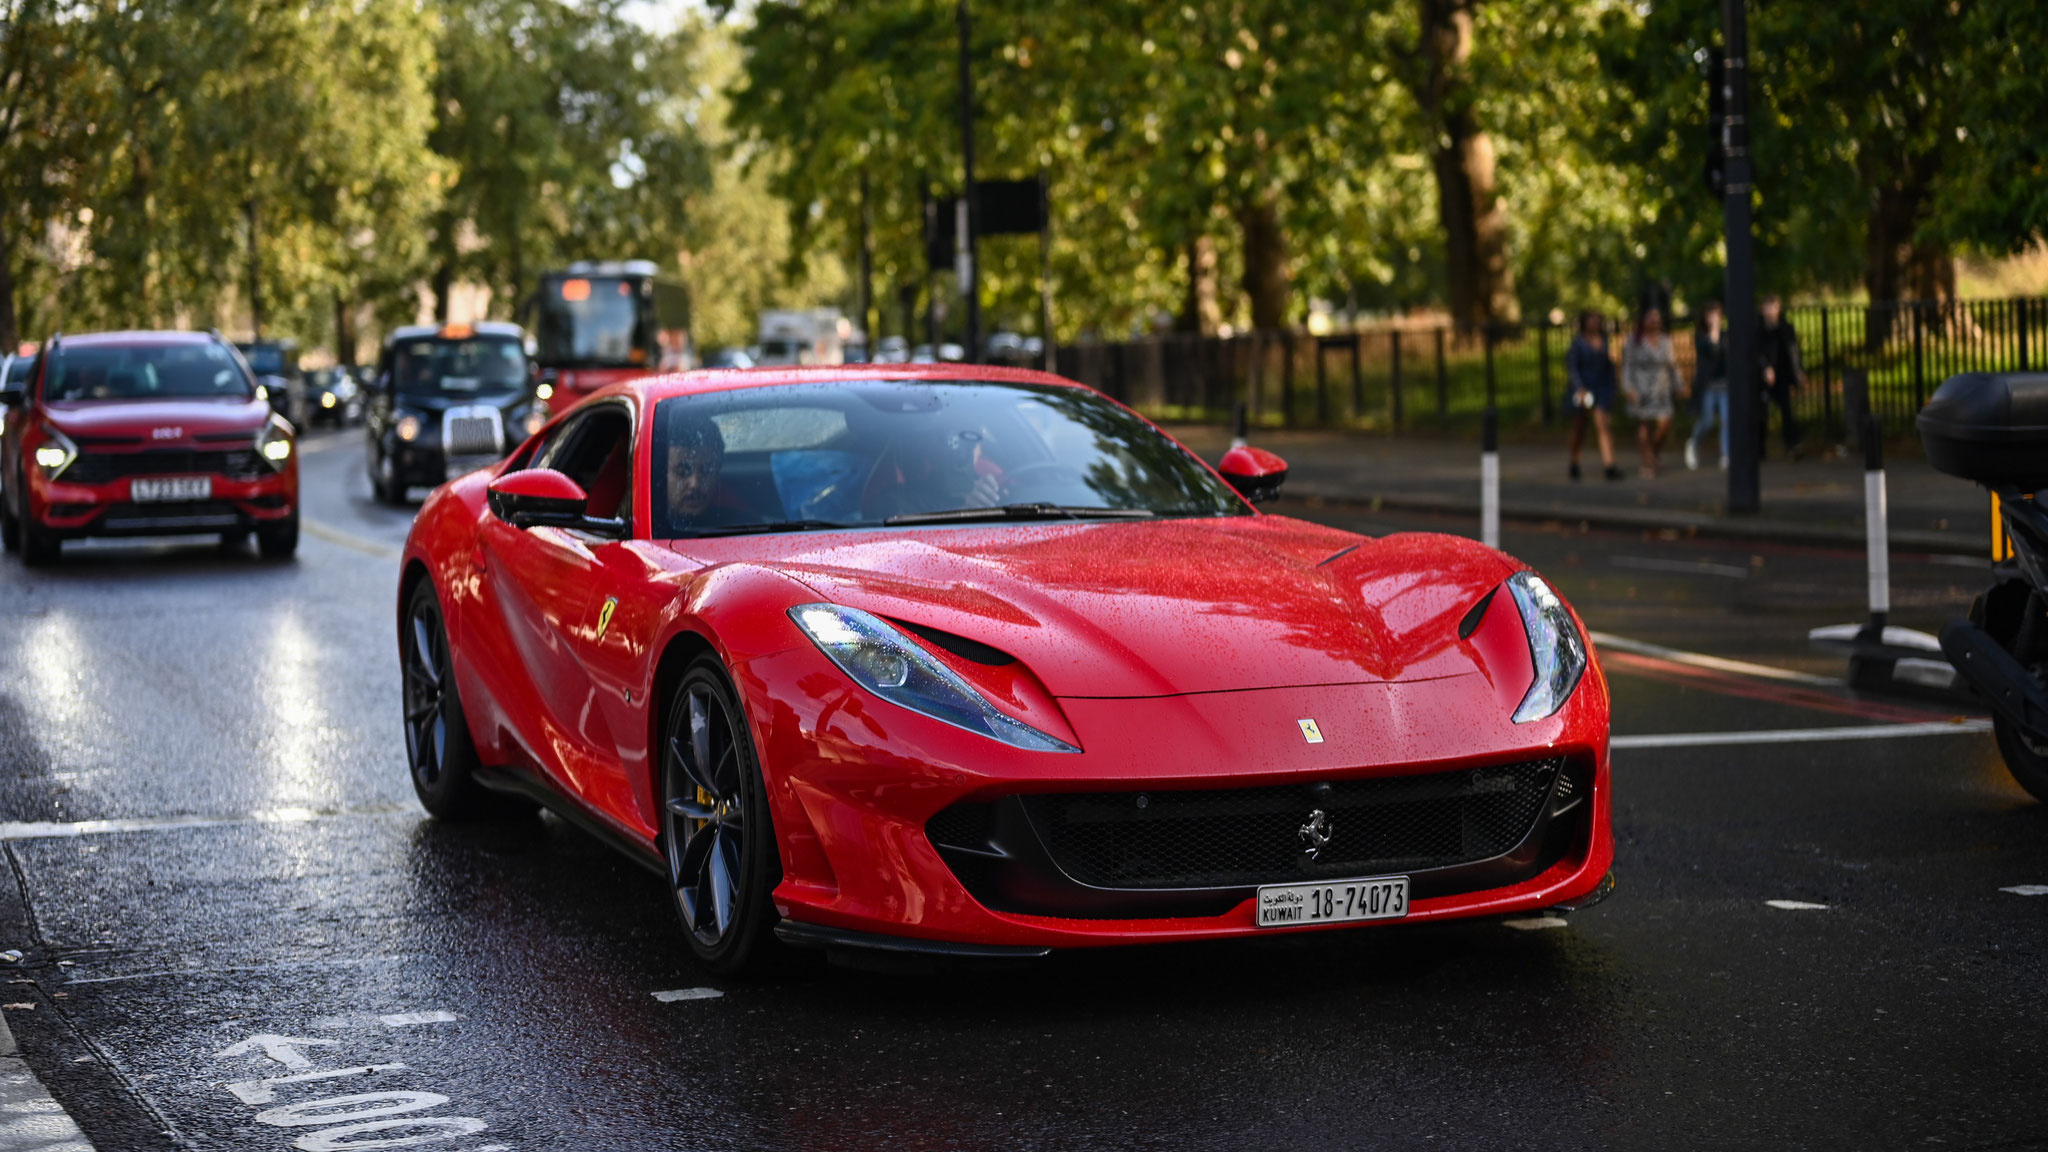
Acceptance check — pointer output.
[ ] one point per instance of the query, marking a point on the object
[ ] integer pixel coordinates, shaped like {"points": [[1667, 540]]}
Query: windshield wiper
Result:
{"points": [[767, 526], [1021, 512]]}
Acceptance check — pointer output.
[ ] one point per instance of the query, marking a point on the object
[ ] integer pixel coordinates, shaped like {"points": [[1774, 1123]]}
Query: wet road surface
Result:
{"points": [[264, 901]]}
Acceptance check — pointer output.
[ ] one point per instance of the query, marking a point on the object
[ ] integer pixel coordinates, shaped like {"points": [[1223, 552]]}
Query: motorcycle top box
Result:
{"points": [[1991, 427]]}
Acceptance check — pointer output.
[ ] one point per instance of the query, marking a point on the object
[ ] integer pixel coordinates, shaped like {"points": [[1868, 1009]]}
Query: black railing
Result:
{"points": [[1398, 378]]}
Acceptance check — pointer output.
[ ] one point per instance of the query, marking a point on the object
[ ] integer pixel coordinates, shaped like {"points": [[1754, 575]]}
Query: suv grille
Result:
{"points": [[99, 467], [1240, 836], [477, 430]]}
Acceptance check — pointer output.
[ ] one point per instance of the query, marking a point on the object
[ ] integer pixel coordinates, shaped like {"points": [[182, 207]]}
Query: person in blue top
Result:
{"points": [[1590, 389]]}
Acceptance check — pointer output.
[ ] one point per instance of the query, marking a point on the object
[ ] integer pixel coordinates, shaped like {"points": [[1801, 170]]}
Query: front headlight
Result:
{"points": [[536, 420], [1555, 646], [887, 663], [408, 427], [546, 391], [327, 400], [55, 453], [274, 442]]}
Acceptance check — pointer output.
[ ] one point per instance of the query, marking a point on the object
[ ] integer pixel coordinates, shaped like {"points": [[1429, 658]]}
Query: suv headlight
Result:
{"points": [[1555, 646], [55, 453], [887, 663], [274, 443]]}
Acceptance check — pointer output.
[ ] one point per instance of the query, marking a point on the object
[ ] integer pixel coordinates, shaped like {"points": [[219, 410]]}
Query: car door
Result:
{"points": [[544, 584]]}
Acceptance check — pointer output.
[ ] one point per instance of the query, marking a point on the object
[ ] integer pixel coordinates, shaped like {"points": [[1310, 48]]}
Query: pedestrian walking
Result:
{"points": [[1778, 355], [1709, 384], [1649, 374], [1589, 390]]}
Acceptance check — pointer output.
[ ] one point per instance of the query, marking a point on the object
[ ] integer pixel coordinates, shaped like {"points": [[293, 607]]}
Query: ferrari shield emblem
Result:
{"points": [[1310, 732], [604, 615]]}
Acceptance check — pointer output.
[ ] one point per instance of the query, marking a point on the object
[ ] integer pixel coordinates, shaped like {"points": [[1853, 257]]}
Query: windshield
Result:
{"points": [[593, 320], [144, 372], [865, 452], [436, 367], [18, 369], [264, 359]]}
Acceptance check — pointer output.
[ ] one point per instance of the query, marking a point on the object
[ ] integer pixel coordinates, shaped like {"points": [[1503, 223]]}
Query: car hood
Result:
{"points": [[1159, 608], [145, 419]]}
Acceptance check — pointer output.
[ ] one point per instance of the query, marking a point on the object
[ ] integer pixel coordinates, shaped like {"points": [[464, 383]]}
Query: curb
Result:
{"points": [[30, 1120], [1692, 523]]}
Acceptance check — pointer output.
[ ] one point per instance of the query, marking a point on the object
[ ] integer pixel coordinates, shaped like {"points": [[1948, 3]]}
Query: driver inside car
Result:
{"points": [[949, 471], [696, 456]]}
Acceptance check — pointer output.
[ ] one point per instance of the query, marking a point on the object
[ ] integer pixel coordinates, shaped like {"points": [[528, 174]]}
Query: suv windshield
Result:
{"points": [[266, 359], [873, 452], [433, 366], [18, 370], [144, 372]]}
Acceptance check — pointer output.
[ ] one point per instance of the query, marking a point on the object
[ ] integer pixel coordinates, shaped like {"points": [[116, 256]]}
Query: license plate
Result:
{"points": [[1333, 901], [166, 488]]}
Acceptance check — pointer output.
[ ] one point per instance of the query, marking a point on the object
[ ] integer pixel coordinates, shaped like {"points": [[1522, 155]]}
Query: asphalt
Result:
{"points": [[262, 899]]}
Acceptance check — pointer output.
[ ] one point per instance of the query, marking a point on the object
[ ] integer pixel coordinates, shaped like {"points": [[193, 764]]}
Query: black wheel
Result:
{"points": [[2027, 763], [722, 861], [279, 539], [10, 528], [383, 480], [437, 741], [39, 546]]}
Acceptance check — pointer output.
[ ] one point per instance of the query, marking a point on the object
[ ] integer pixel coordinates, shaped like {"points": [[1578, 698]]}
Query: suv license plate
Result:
{"points": [[1333, 901], [168, 488]]}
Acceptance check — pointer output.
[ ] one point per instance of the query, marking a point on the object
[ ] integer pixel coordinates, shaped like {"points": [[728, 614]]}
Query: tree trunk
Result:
{"points": [[10, 325], [344, 331], [1201, 308], [1266, 280], [1888, 243], [1482, 286], [255, 274]]}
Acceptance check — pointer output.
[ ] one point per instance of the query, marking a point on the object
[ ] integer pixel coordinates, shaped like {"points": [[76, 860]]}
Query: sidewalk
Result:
{"points": [[1818, 500]]}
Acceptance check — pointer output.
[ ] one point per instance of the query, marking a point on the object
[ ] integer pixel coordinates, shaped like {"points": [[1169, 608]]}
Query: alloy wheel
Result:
{"points": [[706, 812], [425, 668]]}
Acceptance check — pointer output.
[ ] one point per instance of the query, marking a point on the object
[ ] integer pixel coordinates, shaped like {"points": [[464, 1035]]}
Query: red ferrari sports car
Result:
{"points": [[976, 661]]}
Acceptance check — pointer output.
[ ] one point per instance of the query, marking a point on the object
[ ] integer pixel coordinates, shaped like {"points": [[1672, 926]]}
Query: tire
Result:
{"points": [[380, 487], [278, 540], [716, 833], [10, 528], [40, 548], [2028, 767], [440, 755]]}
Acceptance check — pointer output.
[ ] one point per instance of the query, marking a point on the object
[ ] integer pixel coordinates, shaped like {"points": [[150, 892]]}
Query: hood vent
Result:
{"points": [[960, 646]]}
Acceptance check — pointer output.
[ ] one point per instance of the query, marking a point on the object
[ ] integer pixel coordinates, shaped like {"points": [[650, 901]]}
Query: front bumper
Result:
{"points": [[855, 785], [237, 504]]}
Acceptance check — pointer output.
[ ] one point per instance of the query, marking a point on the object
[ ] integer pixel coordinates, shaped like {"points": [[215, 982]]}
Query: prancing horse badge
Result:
{"points": [[1310, 732], [604, 615]]}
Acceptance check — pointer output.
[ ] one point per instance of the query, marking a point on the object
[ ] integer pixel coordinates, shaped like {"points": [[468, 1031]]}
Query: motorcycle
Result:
{"points": [[1992, 428]]}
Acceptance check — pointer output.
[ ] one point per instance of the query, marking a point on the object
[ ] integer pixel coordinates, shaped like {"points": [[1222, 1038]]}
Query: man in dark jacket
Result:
{"points": [[1777, 353]]}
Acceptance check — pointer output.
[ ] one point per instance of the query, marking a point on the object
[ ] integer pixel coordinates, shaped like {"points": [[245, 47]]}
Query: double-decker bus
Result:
{"points": [[600, 321]]}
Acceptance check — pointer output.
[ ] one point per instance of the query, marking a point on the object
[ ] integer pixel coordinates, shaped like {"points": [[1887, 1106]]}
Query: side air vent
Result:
{"points": [[959, 646]]}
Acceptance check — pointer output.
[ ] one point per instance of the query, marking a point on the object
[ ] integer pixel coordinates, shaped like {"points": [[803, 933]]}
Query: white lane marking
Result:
{"points": [[344, 1138], [1687, 567], [51, 829], [1716, 663], [265, 1091], [324, 1111], [283, 1049], [347, 539], [688, 994], [1796, 906], [403, 1019], [2027, 889], [1955, 561], [1801, 735], [1535, 923]]}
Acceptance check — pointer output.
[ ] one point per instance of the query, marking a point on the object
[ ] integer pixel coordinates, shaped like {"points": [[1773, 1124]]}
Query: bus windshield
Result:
{"points": [[595, 321]]}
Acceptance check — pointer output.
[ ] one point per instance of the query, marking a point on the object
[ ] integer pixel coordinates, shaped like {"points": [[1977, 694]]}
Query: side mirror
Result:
{"points": [[544, 498], [1256, 473]]}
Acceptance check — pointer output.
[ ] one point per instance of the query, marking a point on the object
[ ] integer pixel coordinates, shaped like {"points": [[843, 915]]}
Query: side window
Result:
{"points": [[594, 450]]}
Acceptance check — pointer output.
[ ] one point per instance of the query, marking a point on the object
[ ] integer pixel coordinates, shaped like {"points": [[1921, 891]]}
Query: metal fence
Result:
{"points": [[1420, 378]]}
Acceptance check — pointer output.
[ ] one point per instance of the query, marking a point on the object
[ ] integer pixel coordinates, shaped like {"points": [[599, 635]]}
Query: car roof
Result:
{"points": [[480, 328], [656, 388], [135, 338]]}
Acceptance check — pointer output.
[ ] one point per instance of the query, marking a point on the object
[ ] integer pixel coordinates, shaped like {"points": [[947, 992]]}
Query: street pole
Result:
{"points": [[1745, 440], [970, 283]]}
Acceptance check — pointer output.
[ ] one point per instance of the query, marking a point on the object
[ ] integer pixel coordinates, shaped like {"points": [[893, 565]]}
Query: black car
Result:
{"points": [[276, 366], [446, 401], [333, 396]]}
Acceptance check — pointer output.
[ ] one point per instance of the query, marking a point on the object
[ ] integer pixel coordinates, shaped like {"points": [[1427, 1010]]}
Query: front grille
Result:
{"points": [[192, 514], [474, 431], [100, 467], [1206, 839]]}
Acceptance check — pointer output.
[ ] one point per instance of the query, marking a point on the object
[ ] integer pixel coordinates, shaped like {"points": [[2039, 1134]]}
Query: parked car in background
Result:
{"points": [[144, 434], [333, 396], [892, 350], [276, 365], [729, 357], [446, 401]]}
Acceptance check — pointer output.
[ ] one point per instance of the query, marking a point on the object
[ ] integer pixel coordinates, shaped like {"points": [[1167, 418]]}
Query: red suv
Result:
{"points": [[144, 434]]}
